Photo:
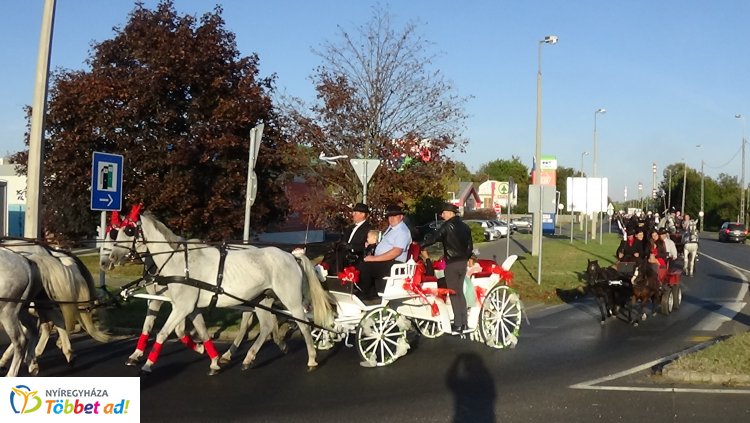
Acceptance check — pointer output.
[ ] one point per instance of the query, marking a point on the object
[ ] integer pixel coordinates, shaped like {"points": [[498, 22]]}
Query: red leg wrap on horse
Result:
{"points": [[155, 350], [188, 341], [142, 342], [210, 349]]}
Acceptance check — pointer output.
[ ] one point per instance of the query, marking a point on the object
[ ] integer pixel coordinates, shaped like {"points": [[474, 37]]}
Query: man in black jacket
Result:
{"points": [[457, 248], [351, 248]]}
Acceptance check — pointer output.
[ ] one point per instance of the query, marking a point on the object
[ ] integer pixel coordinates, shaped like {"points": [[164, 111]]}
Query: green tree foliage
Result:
{"points": [[563, 173], [501, 169], [173, 96], [378, 97]]}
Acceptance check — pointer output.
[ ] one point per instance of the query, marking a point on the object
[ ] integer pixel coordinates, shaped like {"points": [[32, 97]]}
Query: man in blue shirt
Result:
{"points": [[392, 248]]}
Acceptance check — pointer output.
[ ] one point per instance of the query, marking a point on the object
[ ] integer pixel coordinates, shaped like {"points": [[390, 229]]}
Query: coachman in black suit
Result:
{"points": [[351, 248]]}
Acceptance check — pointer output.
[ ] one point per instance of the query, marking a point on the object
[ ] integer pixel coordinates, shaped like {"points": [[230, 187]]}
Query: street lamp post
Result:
{"points": [[742, 174], [700, 213], [582, 214], [653, 183], [593, 170], [536, 248], [684, 185]]}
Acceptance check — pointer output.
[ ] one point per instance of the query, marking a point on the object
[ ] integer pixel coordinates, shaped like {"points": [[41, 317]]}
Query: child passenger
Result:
{"points": [[371, 243]]}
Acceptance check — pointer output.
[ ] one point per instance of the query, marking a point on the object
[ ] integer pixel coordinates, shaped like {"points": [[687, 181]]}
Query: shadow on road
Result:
{"points": [[473, 389]]}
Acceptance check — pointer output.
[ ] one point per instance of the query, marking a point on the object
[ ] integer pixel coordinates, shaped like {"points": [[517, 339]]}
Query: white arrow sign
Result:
{"points": [[108, 200]]}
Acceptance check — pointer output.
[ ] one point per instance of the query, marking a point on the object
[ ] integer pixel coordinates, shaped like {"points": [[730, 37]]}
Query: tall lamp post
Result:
{"points": [[684, 185], [593, 170], [742, 174], [536, 248], [700, 212], [582, 214]]}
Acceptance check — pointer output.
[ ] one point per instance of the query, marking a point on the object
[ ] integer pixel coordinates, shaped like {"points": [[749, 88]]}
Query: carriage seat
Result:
{"points": [[487, 266], [413, 254]]}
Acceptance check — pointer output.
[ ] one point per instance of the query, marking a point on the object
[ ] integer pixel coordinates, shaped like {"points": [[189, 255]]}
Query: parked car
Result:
{"points": [[732, 232], [491, 232], [504, 227], [523, 224], [427, 228]]}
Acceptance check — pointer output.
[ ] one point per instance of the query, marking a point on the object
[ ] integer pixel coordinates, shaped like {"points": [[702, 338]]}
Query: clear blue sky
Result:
{"points": [[671, 74]]}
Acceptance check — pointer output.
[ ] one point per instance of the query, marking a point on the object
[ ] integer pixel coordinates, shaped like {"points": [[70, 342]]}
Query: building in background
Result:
{"points": [[12, 199]]}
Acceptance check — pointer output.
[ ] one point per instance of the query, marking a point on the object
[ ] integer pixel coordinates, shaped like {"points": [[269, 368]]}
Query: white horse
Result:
{"points": [[690, 244], [66, 298], [248, 272], [18, 283], [126, 228]]}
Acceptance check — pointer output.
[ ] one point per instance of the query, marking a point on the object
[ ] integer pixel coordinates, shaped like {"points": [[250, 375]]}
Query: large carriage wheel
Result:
{"points": [[500, 318], [324, 340], [381, 337], [667, 302], [429, 328], [676, 297]]}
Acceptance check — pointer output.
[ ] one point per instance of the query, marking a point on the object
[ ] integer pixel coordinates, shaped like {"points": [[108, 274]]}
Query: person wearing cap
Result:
{"points": [[458, 247], [392, 248], [351, 248], [669, 245]]}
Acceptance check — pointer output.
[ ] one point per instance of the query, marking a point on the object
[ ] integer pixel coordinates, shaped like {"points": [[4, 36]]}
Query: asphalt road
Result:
{"points": [[566, 367]]}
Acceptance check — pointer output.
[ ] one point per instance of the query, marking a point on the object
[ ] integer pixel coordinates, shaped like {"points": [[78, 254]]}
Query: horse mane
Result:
{"points": [[171, 238]]}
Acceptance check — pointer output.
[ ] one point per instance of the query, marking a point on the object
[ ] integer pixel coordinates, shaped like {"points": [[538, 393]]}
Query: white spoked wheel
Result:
{"points": [[676, 297], [381, 337], [667, 302], [500, 318], [428, 328], [324, 340]]}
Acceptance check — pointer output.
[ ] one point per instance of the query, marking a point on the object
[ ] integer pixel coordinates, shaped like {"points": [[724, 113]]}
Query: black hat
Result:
{"points": [[359, 207], [449, 207], [662, 231], [393, 210]]}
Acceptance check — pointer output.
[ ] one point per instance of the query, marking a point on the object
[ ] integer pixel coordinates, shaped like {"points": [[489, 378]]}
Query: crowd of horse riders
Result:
{"points": [[667, 243]]}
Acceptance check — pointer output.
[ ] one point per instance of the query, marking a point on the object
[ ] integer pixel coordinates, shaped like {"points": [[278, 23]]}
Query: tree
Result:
{"points": [[172, 94], [563, 173], [501, 170], [378, 98]]}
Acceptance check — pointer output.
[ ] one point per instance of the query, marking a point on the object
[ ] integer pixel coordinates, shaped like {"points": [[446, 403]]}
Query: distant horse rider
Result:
{"points": [[690, 241]]}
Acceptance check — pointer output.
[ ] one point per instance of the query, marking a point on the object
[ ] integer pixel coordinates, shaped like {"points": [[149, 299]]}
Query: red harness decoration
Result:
{"points": [[350, 274]]}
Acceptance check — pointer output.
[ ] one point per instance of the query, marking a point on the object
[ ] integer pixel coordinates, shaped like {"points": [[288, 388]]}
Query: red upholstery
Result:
{"points": [[486, 268], [413, 252]]}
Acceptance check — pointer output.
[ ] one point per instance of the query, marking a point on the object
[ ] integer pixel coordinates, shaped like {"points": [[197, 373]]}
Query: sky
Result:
{"points": [[671, 74]]}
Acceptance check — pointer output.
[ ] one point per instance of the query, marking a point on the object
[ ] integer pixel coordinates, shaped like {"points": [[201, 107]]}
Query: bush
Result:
{"points": [[477, 232]]}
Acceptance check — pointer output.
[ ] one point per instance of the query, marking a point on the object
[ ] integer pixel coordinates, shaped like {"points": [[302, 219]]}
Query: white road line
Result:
{"points": [[594, 383], [716, 319], [740, 272]]}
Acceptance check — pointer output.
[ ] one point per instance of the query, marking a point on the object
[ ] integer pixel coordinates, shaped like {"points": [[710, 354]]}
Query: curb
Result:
{"points": [[705, 377]]}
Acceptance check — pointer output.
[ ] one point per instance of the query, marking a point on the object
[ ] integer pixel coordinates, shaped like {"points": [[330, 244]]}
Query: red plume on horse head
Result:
{"points": [[135, 212], [114, 221]]}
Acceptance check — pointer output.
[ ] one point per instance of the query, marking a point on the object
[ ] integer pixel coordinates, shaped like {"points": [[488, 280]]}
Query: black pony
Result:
{"points": [[646, 287], [610, 288]]}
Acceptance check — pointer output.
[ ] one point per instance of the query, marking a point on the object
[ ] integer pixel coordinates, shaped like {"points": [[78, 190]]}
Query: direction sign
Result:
{"points": [[106, 181]]}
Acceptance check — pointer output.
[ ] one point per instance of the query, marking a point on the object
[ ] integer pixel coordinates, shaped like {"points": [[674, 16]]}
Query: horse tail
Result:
{"points": [[81, 276], [321, 300]]}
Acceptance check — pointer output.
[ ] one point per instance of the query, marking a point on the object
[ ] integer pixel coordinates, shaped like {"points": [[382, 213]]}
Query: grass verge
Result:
{"points": [[728, 357]]}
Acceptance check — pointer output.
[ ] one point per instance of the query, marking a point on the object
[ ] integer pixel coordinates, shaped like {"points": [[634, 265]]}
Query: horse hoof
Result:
{"points": [[224, 361], [311, 369], [246, 366], [213, 372], [144, 373], [72, 361], [131, 362], [284, 349], [34, 371]]}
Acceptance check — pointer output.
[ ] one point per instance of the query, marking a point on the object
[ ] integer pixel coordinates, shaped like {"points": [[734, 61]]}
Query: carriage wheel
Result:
{"points": [[381, 337], [500, 318], [324, 340], [667, 302], [429, 328], [676, 297]]}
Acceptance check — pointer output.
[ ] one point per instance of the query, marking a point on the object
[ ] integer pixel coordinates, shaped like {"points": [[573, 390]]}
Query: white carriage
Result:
{"points": [[380, 331]]}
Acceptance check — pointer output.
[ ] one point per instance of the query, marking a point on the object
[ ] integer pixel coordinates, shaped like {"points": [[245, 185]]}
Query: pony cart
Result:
{"points": [[636, 283], [380, 330]]}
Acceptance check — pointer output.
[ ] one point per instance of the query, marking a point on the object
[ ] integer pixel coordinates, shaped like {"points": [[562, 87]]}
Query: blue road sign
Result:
{"points": [[106, 182]]}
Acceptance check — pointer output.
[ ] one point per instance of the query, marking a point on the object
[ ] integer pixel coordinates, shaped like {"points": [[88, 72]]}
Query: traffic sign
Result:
{"points": [[106, 182], [364, 168]]}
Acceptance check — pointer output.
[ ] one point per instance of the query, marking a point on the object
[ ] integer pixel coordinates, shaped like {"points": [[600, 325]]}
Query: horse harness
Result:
{"points": [[217, 289]]}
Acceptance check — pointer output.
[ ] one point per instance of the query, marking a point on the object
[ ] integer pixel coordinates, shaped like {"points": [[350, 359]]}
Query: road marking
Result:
{"points": [[740, 271], [594, 383]]}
